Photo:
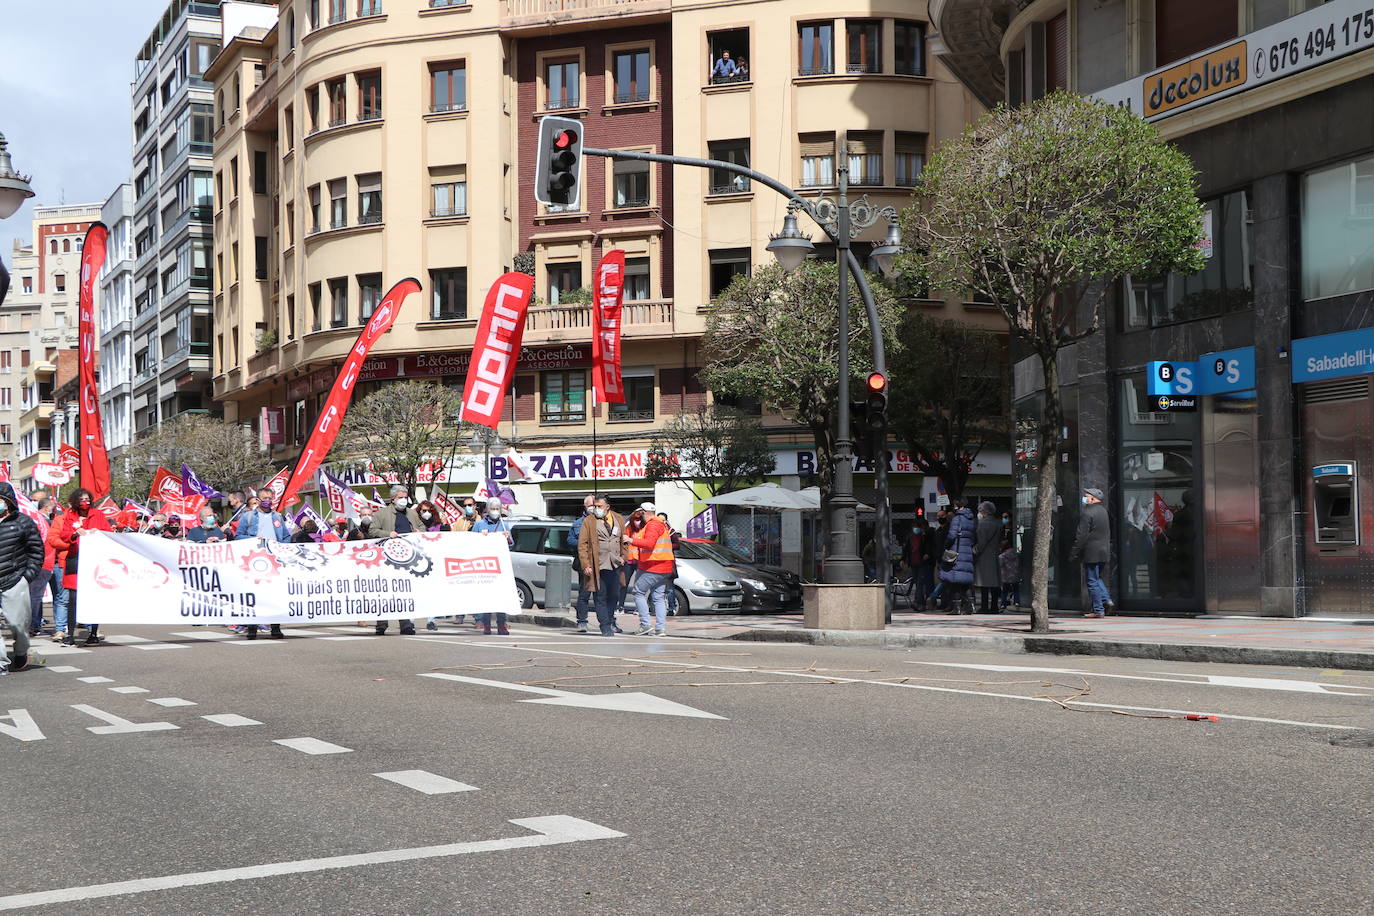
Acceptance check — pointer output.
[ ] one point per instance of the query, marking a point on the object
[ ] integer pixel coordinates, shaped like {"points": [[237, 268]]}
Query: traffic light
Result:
{"points": [[875, 414], [858, 431], [558, 162]]}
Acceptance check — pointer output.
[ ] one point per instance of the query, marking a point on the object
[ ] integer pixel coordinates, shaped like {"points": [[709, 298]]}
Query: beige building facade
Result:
{"points": [[357, 144]]}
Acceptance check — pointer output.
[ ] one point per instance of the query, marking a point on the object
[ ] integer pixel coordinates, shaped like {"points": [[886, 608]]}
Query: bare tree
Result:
{"points": [[719, 446], [401, 427]]}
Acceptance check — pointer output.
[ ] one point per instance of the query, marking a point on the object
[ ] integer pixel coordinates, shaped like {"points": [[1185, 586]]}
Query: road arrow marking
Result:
{"points": [[548, 831], [620, 702], [21, 726], [117, 725], [1170, 677]]}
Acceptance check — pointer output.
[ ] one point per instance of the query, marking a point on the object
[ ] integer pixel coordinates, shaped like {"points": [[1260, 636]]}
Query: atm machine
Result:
{"points": [[1340, 579], [1335, 509]]}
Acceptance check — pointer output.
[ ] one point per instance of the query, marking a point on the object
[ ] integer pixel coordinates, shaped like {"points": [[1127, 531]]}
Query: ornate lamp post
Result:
{"points": [[14, 190]]}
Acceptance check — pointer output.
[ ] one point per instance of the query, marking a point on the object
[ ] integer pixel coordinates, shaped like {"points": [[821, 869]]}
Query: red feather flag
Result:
{"points": [[608, 295], [95, 463], [497, 348]]}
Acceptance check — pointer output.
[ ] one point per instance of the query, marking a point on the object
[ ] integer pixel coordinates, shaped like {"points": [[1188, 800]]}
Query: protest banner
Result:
{"points": [[140, 579]]}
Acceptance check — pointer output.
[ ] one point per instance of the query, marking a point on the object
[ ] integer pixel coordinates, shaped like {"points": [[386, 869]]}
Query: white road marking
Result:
{"points": [[621, 702], [208, 635], [129, 689], [96, 680], [426, 782], [302, 631], [549, 831], [261, 640], [921, 687], [21, 726], [138, 642], [58, 648], [1192, 680], [230, 720], [63, 669], [117, 725], [172, 701], [312, 746], [342, 638]]}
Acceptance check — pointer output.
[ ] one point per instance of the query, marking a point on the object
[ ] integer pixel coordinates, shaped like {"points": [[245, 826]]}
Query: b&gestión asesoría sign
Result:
{"points": [[1318, 36]]}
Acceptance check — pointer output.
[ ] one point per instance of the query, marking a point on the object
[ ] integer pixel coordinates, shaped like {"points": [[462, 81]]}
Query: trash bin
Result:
{"points": [[558, 576]]}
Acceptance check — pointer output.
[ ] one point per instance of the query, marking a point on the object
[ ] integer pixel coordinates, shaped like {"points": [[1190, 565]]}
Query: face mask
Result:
{"points": [[84, 505], [599, 512], [207, 523], [156, 526], [1084, 500], [426, 515], [401, 502], [493, 514], [265, 505]]}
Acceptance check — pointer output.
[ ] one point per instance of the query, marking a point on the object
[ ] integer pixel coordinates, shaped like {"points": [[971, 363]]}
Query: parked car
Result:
{"points": [[766, 588], [703, 585]]}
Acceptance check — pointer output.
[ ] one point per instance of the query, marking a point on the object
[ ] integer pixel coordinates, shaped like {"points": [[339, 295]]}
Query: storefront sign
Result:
{"points": [[1322, 34], [1170, 377], [608, 464], [1333, 470], [1221, 372], [1333, 355], [1167, 404]]}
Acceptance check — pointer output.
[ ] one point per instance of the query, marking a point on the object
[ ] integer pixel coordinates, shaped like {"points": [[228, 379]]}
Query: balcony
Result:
{"points": [[190, 357], [642, 318], [546, 13], [262, 103], [188, 216]]}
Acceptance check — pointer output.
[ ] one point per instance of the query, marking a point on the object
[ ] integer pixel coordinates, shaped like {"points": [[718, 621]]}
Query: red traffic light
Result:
{"points": [[565, 139], [877, 383]]}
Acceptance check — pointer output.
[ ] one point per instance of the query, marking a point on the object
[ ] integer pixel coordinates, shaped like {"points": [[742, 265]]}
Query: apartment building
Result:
{"points": [[114, 322], [358, 143], [38, 325]]}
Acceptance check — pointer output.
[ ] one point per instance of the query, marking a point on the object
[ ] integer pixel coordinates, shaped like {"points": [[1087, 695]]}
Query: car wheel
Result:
{"points": [[684, 607], [525, 594]]}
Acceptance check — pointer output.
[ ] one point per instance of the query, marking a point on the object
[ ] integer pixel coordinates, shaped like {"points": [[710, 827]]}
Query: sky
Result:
{"points": [[65, 74]]}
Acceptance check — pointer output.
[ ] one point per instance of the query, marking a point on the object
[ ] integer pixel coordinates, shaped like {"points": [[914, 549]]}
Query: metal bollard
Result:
{"points": [[558, 584]]}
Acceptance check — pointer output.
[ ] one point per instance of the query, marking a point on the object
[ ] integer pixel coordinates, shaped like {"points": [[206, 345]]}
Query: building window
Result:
{"points": [[563, 396], [369, 295], [563, 279], [1338, 229], [312, 8], [729, 61], [28, 285], [639, 396], [726, 264], [733, 151], [290, 31], [66, 246], [449, 294], [59, 282], [288, 128], [6, 397], [863, 37], [816, 48], [865, 151], [316, 315], [1223, 285], [52, 246], [370, 96], [448, 87], [234, 178], [312, 107], [817, 160], [636, 279], [370, 198], [562, 83], [259, 172], [314, 208], [631, 183], [5, 361], [338, 11], [338, 203], [909, 48], [449, 198], [334, 90], [369, 8], [338, 302], [1057, 51], [1185, 27], [910, 157], [632, 76], [260, 257]]}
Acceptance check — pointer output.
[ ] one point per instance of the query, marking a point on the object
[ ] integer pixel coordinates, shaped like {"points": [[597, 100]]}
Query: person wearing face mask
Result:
{"points": [[208, 531], [21, 562], [157, 524], [340, 530], [574, 535], [492, 524], [66, 536], [399, 517], [431, 520], [173, 530], [469, 509], [263, 522], [1092, 546], [601, 554]]}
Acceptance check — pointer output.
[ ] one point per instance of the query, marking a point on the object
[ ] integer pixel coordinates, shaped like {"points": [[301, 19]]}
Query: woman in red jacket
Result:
{"points": [[65, 535]]}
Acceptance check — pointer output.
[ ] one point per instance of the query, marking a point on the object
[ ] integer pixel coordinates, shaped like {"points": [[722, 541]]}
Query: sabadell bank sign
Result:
{"points": [[1308, 40]]}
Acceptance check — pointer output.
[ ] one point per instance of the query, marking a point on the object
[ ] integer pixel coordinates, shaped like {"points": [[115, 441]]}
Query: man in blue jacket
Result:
{"points": [[264, 523]]}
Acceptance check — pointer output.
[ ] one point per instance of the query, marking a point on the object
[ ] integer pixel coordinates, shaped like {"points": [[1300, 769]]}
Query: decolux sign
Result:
{"points": [[1333, 355]]}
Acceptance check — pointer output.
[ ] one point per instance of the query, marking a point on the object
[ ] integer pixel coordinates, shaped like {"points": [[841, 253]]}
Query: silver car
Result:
{"points": [[703, 586]]}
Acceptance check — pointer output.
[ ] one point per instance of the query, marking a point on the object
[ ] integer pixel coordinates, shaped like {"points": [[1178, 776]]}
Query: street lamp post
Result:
{"points": [[14, 190]]}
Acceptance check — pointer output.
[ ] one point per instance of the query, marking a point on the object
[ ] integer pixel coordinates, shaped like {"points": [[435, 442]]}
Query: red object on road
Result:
{"points": [[1195, 717]]}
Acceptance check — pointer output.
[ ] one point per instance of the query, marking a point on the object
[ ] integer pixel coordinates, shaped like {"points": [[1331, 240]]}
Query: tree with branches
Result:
{"points": [[774, 336], [401, 427], [949, 396], [221, 453], [1038, 209], [720, 446]]}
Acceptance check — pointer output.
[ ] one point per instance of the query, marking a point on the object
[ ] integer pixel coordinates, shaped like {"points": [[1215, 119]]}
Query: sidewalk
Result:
{"points": [[1300, 643]]}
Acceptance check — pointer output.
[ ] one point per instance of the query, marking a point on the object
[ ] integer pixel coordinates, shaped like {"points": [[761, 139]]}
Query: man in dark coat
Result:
{"points": [[21, 561], [987, 578], [1092, 547], [960, 539]]}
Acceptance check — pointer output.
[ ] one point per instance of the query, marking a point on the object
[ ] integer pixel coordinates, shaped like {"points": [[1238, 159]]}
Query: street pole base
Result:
{"points": [[843, 607]]}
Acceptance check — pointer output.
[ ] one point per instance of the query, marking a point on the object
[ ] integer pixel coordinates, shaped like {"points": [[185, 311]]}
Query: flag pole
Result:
{"points": [[595, 486]]}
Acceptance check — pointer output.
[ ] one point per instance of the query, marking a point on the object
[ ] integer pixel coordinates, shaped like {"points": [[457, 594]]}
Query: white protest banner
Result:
{"points": [[140, 579]]}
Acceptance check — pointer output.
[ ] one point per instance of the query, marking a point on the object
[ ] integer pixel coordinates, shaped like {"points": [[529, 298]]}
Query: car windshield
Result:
{"points": [[686, 550], [723, 554]]}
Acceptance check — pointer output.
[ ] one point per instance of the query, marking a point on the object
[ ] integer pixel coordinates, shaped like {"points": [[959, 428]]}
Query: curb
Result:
{"points": [[544, 620], [1057, 645]]}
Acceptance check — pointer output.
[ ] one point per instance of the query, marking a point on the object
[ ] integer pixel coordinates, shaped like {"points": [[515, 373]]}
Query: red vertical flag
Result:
{"points": [[497, 348], [336, 405], [608, 294], [95, 463]]}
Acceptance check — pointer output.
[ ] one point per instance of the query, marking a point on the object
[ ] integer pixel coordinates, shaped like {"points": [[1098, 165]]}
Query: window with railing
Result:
{"points": [[314, 208], [631, 187], [448, 293], [724, 181], [449, 198], [563, 396], [370, 96], [369, 8], [338, 11], [448, 86], [369, 198], [563, 279], [338, 204], [338, 111], [444, 4], [910, 158], [817, 160], [338, 302], [369, 295], [815, 48], [636, 279], [863, 38], [729, 56], [633, 79], [562, 83], [638, 405], [909, 48], [865, 151], [316, 309]]}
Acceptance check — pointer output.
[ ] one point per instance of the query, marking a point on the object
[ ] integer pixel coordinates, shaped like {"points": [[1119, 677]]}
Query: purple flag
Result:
{"points": [[308, 513], [141, 510], [191, 485], [703, 524], [496, 491]]}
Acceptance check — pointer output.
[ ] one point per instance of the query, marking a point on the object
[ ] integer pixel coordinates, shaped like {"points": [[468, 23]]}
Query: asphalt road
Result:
{"points": [[810, 780]]}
